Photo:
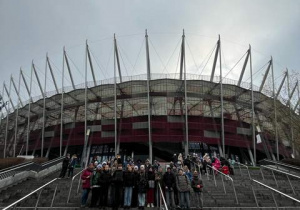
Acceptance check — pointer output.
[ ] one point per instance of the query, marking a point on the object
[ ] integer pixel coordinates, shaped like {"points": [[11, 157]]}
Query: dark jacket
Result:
{"points": [[187, 162], [142, 183], [66, 162], [118, 177], [169, 180], [129, 179], [105, 178], [196, 181]]}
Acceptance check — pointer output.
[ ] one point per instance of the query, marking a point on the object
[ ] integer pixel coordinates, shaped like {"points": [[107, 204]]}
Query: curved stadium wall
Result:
{"points": [[168, 122]]}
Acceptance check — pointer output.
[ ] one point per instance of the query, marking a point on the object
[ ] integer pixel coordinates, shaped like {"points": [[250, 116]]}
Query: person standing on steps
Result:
{"points": [[134, 198], [197, 186], [142, 185], [117, 181], [95, 186], [65, 165], [71, 166], [183, 187], [104, 180], [169, 184], [129, 183], [151, 185], [86, 183]]}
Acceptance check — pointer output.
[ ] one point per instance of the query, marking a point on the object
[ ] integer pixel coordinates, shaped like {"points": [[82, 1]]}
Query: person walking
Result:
{"points": [[169, 184], [197, 186], [129, 182], [86, 183], [183, 187]]}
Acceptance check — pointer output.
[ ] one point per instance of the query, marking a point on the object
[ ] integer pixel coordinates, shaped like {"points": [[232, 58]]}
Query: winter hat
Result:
{"points": [[142, 167], [96, 162], [104, 163], [136, 167], [99, 166]]}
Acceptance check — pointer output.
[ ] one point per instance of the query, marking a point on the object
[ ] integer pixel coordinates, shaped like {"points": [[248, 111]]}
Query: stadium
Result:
{"points": [[153, 115]]}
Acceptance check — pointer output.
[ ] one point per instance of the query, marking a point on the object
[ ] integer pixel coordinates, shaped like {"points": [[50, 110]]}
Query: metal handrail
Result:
{"points": [[277, 191], [12, 169], [287, 176], [240, 164], [223, 182], [282, 164], [68, 199], [15, 166], [162, 196], [26, 196]]}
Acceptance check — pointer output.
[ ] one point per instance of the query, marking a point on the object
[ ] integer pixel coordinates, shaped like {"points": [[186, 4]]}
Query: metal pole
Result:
{"points": [[85, 108], [290, 110], [115, 99], [185, 99], [44, 111], [29, 109], [222, 101], [275, 112], [148, 96], [17, 115], [62, 106], [252, 109], [7, 120]]}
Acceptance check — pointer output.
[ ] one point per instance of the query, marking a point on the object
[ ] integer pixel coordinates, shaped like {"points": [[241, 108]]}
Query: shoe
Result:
{"points": [[152, 205], [148, 205]]}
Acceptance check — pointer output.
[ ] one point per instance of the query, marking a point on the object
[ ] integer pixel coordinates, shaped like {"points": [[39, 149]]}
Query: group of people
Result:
{"points": [[68, 164], [127, 184], [138, 185]]}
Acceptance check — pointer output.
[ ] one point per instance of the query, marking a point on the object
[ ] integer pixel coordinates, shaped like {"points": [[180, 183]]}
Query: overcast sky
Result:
{"points": [[30, 29]]}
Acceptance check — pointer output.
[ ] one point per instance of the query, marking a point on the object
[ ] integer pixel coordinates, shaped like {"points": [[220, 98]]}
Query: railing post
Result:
{"points": [[214, 177], [38, 199], [223, 185], [254, 193], [262, 173], [78, 185], [291, 184], [237, 201], [275, 178], [240, 169], [274, 200], [54, 195]]}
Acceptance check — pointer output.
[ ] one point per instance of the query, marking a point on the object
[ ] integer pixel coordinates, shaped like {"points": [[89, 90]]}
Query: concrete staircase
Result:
{"points": [[213, 196]]}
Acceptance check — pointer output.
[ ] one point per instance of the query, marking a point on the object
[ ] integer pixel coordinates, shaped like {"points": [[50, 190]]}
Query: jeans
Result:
{"points": [[184, 199], [199, 199], [70, 172], [170, 194], [142, 197], [127, 196], [84, 197]]}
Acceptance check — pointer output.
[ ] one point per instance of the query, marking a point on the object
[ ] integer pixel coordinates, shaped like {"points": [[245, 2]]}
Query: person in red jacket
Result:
{"points": [[225, 170], [86, 183]]}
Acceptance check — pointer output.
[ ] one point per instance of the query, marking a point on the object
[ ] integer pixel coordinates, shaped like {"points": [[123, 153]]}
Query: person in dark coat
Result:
{"points": [[169, 184], [104, 180], [134, 198], [117, 181], [187, 162], [129, 182], [65, 165], [197, 186], [142, 185]]}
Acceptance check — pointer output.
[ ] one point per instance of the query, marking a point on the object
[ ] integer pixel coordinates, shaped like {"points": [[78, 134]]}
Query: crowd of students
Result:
{"points": [[125, 184]]}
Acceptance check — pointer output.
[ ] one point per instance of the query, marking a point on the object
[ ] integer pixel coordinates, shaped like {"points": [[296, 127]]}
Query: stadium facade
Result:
{"points": [[153, 115]]}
